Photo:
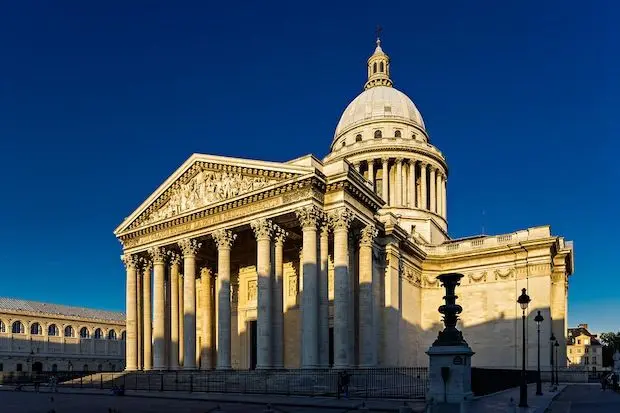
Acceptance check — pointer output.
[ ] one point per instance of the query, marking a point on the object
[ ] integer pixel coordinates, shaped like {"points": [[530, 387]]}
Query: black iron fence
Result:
{"points": [[487, 381], [401, 382]]}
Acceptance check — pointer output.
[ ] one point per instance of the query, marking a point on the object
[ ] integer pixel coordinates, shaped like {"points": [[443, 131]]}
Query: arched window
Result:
{"points": [[35, 329], [358, 137], [111, 335], [343, 143], [378, 134], [374, 67], [84, 333], [18, 327], [413, 136], [52, 330], [397, 134], [98, 334], [99, 368], [70, 366], [85, 367], [69, 331], [2, 327], [123, 335], [381, 67], [54, 367]]}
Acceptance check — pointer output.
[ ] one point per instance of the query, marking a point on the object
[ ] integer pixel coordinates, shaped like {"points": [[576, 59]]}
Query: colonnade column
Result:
{"points": [[324, 295], [131, 343], [158, 256], [224, 240], [206, 345], [398, 188], [147, 323], [439, 194], [139, 316], [263, 230], [175, 264], [309, 218], [278, 300], [181, 319], [433, 185], [190, 248], [385, 179], [341, 220], [411, 181], [367, 335], [445, 198], [423, 203]]}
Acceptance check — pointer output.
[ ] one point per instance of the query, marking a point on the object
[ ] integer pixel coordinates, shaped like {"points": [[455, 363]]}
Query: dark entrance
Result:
{"points": [[37, 367], [331, 346], [253, 344]]}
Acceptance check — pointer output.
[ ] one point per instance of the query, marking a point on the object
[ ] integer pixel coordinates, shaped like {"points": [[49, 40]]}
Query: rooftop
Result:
{"points": [[16, 304]]}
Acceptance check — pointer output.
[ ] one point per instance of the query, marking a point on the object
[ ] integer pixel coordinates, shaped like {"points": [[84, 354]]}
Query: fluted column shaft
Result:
{"points": [[278, 300], [131, 343], [445, 199], [224, 240], [159, 312], [174, 312], [439, 194], [308, 218], [367, 336], [181, 320], [263, 230], [147, 323], [140, 319], [385, 180], [424, 203], [411, 182], [324, 297], [398, 188], [341, 220], [189, 248], [371, 172], [206, 345], [433, 184]]}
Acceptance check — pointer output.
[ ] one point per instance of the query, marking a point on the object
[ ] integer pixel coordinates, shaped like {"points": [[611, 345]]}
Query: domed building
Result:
{"points": [[237, 263]]}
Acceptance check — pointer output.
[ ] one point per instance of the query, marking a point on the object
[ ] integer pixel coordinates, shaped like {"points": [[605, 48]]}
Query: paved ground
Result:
{"points": [[507, 401], [586, 398]]}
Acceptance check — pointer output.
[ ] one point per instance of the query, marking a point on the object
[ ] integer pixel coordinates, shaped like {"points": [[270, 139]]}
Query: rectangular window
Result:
{"points": [[18, 367], [587, 350], [1, 367], [593, 360], [578, 341]]}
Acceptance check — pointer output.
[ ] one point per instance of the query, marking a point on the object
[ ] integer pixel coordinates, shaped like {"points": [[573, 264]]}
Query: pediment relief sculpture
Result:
{"points": [[205, 188]]}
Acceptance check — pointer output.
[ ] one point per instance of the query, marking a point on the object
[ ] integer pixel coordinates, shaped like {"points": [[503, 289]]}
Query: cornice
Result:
{"points": [[40, 316], [394, 147]]}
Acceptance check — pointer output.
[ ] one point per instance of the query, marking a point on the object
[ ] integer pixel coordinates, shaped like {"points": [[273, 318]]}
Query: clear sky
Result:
{"points": [[101, 101]]}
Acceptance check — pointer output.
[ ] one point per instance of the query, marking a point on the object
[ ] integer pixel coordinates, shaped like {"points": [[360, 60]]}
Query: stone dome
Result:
{"points": [[379, 103]]}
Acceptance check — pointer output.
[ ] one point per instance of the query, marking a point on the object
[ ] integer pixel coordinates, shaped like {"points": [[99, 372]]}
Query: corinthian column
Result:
{"points": [[341, 220], [190, 248], [147, 323], [424, 204], [131, 343], [263, 230], [385, 173], [309, 218], [371, 172], [278, 300], [324, 296], [445, 199], [158, 256], [411, 182], [367, 337], [175, 264], [439, 193], [224, 240], [206, 347], [398, 188]]}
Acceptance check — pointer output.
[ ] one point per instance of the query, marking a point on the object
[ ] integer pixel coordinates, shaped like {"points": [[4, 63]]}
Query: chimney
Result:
{"points": [[583, 326]]}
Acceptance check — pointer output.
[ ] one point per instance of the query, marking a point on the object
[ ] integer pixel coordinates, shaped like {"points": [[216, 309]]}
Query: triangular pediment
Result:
{"points": [[206, 180]]}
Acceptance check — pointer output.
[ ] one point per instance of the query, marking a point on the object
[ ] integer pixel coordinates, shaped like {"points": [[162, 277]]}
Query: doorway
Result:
{"points": [[37, 367], [253, 344]]}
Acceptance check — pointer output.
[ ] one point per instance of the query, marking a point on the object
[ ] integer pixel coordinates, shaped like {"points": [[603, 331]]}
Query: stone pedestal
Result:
{"points": [[455, 363]]}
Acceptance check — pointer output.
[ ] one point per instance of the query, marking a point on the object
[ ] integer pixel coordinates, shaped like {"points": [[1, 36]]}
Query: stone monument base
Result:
{"points": [[449, 374]]}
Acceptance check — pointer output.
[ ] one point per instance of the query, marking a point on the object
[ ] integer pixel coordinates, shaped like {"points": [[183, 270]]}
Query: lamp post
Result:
{"points": [[524, 301], [557, 363], [539, 319], [552, 341]]}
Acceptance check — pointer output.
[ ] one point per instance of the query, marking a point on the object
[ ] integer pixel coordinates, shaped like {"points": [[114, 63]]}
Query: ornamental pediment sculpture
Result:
{"points": [[205, 188]]}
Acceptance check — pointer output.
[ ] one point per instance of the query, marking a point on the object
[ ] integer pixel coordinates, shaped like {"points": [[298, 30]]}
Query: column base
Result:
{"points": [[223, 368], [340, 366]]}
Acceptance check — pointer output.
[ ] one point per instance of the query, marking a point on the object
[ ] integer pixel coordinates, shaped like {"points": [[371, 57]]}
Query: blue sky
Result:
{"points": [[99, 103]]}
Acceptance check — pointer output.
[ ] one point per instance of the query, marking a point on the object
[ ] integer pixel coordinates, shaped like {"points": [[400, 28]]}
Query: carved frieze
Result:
{"points": [[506, 274], [292, 285], [252, 290], [476, 277]]}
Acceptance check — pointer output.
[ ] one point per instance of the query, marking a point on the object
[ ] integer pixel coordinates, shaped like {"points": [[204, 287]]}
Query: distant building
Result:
{"points": [[50, 337], [584, 350]]}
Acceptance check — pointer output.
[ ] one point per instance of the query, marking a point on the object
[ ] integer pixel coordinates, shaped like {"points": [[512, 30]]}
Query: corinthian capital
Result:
{"points": [[175, 259], [189, 247], [146, 264], [263, 228], [367, 235], [158, 255], [280, 235], [341, 218], [130, 261], [224, 238], [309, 216]]}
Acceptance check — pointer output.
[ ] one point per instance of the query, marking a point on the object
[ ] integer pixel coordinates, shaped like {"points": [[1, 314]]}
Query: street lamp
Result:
{"points": [[539, 319], [552, 340], [523, 301], [557, 363]]}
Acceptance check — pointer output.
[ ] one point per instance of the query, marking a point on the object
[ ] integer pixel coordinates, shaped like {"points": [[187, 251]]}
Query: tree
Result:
{"points": [[611, 344]]}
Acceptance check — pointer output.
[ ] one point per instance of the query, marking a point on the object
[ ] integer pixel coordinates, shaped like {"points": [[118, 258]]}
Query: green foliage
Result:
{"points": [[611, 344]]}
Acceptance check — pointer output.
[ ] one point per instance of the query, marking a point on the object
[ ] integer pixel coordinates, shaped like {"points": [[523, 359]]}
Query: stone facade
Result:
{"points": [[584, 350], [314, 263], [47, 337]]}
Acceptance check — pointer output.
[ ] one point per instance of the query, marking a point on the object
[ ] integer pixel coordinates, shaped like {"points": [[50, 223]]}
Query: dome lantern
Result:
{"points": [[378, 68]]}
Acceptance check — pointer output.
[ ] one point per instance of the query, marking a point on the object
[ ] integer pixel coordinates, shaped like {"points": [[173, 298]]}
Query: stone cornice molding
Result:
{"points": [[368, 235], [189, 247], [373, 202], [309, 216], [377, 150], [341, 219], [224, 238], [263, 229], [157, 254], [130, 260]]}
